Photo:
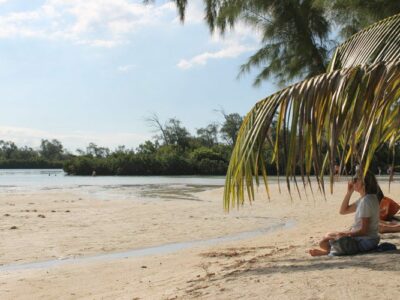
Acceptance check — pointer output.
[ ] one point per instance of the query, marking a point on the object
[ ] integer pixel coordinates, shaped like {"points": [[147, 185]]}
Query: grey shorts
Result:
{"points": [[366, 243]]}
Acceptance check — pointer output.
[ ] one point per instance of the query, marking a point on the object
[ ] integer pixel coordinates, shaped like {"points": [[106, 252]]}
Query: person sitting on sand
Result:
{"points": [[388, 208], [366, 221]]}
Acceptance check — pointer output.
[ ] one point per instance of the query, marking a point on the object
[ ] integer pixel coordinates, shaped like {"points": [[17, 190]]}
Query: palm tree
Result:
{"points": [[347, 112], [354, 15], [294, 35]]}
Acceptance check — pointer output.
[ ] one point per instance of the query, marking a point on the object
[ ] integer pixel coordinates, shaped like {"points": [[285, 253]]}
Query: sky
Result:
{"points": [[93, 70]]}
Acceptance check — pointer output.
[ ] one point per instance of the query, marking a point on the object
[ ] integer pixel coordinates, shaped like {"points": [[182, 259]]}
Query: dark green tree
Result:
{"points": [[353, 15], [52, 150], [96, 151], [295, 34], [147, 148], [230, 127], [177, 134], [208, 136], [7, 149]]}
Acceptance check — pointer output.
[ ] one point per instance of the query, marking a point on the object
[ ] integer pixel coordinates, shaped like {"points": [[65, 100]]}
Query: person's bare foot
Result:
{"points": [[317, 252]]}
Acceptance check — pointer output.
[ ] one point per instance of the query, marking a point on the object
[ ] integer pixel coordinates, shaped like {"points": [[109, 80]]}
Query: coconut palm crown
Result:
{"points": [[345, 113]]}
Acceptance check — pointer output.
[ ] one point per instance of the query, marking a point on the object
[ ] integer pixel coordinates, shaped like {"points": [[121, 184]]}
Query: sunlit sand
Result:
{"points": [[70, 226]]}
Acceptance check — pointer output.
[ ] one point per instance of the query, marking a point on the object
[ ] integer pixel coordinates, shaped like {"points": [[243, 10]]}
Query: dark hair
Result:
{"points": [[379, 194], [371, 185]]}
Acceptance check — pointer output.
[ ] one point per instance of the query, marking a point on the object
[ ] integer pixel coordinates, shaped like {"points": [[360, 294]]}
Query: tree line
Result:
{"points": [[172, 151], [51, 154]]}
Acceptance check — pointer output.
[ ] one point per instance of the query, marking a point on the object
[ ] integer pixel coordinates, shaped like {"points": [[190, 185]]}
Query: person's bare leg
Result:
{"points": [[388, 228], [324, 244], [318, 252]]}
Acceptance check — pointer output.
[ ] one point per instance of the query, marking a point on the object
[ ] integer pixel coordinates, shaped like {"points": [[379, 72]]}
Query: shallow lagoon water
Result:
{"points": [[141, 252], [47, 179]]}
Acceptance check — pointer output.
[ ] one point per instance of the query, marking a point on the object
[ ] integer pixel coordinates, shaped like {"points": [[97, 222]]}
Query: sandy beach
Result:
{"points": [[69, 226]]}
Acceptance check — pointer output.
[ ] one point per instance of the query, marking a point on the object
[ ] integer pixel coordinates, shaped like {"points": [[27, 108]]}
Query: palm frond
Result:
{"points": [[378, 42], [347, 112], [353, 107]]}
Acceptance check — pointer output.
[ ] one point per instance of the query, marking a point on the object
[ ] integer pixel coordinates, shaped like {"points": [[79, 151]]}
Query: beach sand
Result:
{"points": [[54, 225]]}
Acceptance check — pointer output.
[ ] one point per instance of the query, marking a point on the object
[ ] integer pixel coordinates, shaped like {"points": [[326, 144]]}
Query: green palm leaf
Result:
{"points": [[348, 113], [378, 42]]}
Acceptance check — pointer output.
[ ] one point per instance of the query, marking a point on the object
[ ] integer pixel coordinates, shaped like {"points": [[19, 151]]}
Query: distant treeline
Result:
{"points": [[51, 155], [173, 151]]}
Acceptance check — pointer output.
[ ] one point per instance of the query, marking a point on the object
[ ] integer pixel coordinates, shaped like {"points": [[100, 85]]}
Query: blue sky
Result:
{"points": [[91, 71]]}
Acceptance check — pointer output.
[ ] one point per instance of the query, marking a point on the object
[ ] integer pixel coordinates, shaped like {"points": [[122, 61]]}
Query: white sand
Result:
{"points": [[273, 265]]}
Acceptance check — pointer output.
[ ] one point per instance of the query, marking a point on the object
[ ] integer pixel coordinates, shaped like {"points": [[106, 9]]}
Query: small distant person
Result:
{"points": [[358, 170], [94, 173], [366, 221], [390, 172], [379, 171], [337, 170]]}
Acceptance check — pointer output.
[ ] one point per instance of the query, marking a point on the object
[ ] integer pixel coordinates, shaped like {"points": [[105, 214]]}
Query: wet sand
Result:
{"points": [[63, 225]]}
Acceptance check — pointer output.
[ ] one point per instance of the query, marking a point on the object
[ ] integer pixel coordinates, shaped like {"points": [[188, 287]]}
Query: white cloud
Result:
{"points": [[231, 51], [104, 23], [235, 42], [111, 23], [71, 141], [125, 68], [101, 43]]}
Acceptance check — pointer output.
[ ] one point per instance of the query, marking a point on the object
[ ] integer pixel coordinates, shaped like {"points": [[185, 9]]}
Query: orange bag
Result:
{"points": [[388, 208]]}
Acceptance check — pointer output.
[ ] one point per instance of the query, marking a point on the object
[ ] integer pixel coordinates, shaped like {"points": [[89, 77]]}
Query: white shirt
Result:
{"points": [[367, 207]]}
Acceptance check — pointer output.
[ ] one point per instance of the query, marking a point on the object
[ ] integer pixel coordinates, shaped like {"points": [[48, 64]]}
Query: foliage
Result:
{"points": [[346, 113], [173, 152], [230, 128], [353, 15], [51, 150], [295, 34]]}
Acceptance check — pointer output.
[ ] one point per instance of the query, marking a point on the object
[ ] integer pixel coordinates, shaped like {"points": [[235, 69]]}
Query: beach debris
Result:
{"points": [[144, 267], [53, 211], [6, 215], [13, 227], [67, 211], [41, 216]]}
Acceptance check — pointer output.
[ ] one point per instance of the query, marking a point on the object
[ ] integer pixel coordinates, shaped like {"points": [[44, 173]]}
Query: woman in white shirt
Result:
{"points": [[366, 221]]}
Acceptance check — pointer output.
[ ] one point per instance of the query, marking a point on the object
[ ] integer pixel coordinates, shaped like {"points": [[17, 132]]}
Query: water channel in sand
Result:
{"points": [[155, 250]]}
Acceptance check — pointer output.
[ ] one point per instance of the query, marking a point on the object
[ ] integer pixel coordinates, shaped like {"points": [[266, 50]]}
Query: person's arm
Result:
{"points": [[345, 208], [362, 232]]}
